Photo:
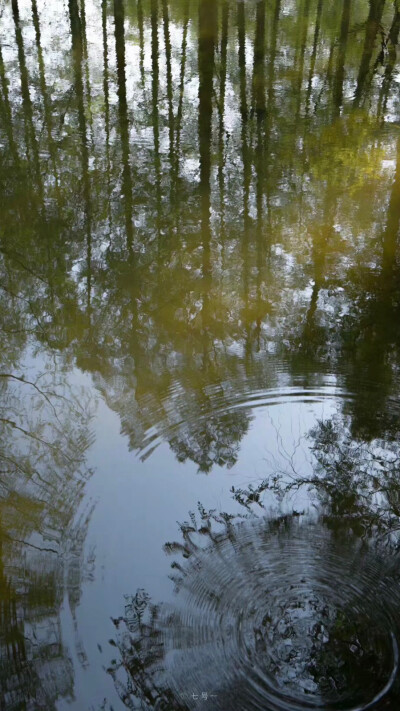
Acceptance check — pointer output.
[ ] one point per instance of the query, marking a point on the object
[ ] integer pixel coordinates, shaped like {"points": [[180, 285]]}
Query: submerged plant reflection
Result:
{"points": [[285, 612]]}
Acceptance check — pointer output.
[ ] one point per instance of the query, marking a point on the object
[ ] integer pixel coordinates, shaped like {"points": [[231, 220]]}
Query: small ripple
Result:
{"points": [[178, 415], [289, 395]]}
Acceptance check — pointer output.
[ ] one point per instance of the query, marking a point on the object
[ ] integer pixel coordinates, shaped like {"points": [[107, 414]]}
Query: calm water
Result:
{"points": [[200, 355]]}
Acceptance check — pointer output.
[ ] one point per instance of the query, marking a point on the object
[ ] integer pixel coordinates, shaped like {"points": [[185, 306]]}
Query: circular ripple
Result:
{"points": [[282, 616], [288, 615]]}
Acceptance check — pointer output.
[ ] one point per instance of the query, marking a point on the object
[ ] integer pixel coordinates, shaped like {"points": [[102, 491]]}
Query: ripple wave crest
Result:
{"points": [[277, 615]]}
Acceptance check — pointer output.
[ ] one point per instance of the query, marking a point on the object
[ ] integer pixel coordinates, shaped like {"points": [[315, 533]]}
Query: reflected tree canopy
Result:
{"points": [[200, 203], [202, 192], [278, 612], [257, 623], [44, 437]]}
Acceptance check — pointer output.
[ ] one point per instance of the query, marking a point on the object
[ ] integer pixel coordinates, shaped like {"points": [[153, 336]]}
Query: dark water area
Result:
{"points": [[200, 355], [258, 620]]}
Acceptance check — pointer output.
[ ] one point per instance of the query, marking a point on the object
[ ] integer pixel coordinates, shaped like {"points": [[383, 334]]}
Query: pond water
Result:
{"points": [[200, 355]]}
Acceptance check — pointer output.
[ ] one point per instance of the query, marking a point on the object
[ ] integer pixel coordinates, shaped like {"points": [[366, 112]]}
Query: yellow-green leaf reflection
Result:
{"points": [[200, 302]]}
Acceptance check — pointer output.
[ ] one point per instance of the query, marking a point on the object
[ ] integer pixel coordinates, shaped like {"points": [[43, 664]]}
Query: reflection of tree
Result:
{"points": [[258, 619], [352, 479], [30, 635], [30, 129], [187, 229], [262, 593], [216, 442], [343, 39], [123, 118], [392, 42], [189, 283], [44, 438], [376, 347], [373, 24], [6, 113]]}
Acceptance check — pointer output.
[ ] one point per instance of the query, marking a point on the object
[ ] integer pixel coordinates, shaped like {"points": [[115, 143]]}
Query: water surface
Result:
{"points": [[200, 362]]}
